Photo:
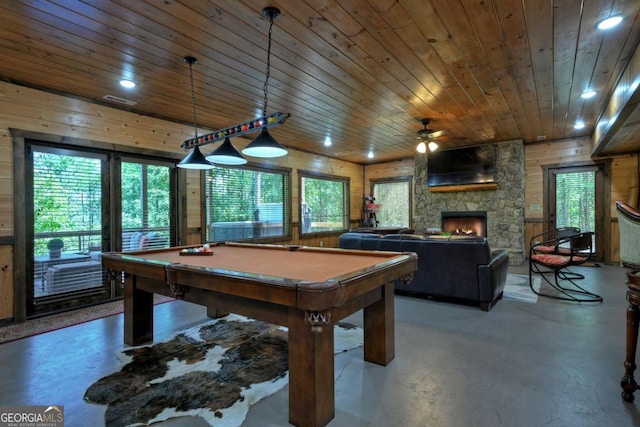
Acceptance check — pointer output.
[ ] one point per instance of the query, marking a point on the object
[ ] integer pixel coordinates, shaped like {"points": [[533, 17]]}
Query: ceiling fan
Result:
{"points": [[429, 135]]}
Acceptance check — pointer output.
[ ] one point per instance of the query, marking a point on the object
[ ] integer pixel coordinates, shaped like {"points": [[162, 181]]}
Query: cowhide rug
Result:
{"points": [[214, 371]]}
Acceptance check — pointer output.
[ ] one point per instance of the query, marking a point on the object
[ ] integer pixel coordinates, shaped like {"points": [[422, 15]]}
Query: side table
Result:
{"points": [[628, 382]]}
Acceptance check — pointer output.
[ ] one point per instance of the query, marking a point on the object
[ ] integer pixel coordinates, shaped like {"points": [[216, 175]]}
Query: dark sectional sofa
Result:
{"points": [[454, 267]]}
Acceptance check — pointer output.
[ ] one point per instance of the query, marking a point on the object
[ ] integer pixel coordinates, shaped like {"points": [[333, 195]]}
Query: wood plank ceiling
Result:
{"points": [[363, 72]]}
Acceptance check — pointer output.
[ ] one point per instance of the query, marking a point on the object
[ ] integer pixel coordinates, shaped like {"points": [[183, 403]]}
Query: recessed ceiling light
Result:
{"points": [[127, 84], [610, 22], [579, 125], [588, 94]]}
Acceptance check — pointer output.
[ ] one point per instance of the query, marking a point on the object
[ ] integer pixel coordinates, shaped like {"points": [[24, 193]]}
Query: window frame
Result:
{"points": [[346, 215], [35, 305]]}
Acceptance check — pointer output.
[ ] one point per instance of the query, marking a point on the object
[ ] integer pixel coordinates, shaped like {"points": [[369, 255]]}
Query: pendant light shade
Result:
{"points": [[226, 154], [195, 160], [264, 146], [421, 148], [433, 146]]}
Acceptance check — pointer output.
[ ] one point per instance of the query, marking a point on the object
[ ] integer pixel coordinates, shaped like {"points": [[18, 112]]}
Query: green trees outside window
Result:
{"points": [[324, 203], [67, 201]]}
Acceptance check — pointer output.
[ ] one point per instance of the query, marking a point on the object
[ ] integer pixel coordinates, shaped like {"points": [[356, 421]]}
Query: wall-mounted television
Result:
{"points": [[459, 166]]}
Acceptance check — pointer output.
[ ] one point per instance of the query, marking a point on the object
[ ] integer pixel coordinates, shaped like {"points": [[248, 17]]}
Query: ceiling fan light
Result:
{"points": [[264, 145], [421, 148], [195, 160], [226, 154], [433, 146]]}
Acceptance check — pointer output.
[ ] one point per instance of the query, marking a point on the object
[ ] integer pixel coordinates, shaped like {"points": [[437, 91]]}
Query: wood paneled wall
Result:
{"points": [[6, 182], [6, 281]]}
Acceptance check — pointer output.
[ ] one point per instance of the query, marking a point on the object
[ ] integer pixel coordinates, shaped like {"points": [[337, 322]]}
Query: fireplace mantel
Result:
{"points": [[463, 187]]}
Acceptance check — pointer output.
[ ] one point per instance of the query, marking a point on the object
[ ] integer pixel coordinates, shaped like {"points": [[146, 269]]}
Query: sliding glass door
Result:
{"points": [[80, 203], [67, 208]]}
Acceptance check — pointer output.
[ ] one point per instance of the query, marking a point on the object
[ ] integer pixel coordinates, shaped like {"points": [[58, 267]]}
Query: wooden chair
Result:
{"points": [[573, 250], [629, 224]]}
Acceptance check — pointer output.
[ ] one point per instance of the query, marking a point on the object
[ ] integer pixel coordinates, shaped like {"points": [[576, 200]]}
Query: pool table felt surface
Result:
{"points": [[312, 264]]}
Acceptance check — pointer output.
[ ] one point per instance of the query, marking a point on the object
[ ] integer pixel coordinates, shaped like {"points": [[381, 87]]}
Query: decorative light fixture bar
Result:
{"points": [[237, 130]]}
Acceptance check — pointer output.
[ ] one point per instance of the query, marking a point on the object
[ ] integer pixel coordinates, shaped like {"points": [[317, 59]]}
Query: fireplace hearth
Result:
{"points": [[465, 223]]}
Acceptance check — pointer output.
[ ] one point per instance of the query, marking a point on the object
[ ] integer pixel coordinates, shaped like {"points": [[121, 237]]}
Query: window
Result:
{"points": [[67, 224], [324, 203], [146, 206], [394, 198], [247, 203], [576, 200]]}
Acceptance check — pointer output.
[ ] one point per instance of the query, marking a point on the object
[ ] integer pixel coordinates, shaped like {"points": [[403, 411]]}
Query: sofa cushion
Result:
{"points": [[73, 276]]}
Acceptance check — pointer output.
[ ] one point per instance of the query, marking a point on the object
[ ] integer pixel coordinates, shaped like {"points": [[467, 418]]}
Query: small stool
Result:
{"points": [[628, 382]]}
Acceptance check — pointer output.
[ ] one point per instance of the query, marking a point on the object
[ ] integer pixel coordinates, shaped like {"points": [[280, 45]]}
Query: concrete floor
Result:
{"points": [[546, 364]]}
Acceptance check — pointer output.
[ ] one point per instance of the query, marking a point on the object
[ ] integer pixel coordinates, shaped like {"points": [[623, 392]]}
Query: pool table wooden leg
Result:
{"points": [[379, 331], [628, 382], [138, 313], [311, 372]]}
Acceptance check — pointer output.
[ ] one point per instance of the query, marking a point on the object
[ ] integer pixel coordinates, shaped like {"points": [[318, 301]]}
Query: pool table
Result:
{"points": [[306, 289]]}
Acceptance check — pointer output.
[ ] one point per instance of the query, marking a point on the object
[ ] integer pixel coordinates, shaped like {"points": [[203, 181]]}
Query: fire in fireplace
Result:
{"points": [[466, 223]]}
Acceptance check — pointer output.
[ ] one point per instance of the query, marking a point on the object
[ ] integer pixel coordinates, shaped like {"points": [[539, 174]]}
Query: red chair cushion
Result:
{"points": [[554, 260]]}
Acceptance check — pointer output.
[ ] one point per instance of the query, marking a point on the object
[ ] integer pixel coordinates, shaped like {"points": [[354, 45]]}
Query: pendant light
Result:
{"points": [[195, 159], [226, 154], [264, 145]]}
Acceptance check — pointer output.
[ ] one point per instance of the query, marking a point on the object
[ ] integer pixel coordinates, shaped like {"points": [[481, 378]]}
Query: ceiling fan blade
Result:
{"points": [[437, 133]]}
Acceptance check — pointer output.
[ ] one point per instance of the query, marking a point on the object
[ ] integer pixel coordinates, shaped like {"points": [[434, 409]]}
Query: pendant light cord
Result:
{"points": [[191, 61], [268, 72]]}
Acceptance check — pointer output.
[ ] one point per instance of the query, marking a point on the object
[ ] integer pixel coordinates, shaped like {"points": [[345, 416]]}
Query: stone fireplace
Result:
{"points": [[504, 205], [465, 223]]}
